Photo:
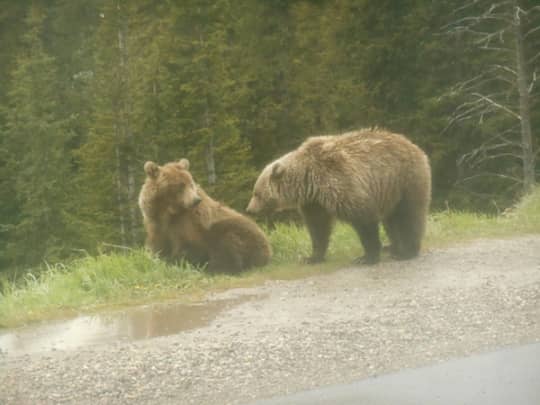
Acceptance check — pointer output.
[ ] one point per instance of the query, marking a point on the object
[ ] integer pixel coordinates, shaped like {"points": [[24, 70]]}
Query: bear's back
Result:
{"points": [[362, 150], [365, 170]]}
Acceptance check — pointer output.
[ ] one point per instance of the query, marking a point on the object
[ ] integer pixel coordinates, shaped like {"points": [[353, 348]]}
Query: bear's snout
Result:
{"points": [[251, 208], [260, 206]]}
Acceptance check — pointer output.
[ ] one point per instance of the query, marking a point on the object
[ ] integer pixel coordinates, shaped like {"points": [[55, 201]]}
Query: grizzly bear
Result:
{"points": [[361, 177], [182, 221]]}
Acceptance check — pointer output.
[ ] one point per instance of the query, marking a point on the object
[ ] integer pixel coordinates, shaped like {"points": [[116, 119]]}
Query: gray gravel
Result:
{"points": [[336, 328]]}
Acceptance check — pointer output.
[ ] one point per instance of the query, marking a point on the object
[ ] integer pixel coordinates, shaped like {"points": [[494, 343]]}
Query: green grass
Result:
{"points": [[134, 277], [451, 226]]}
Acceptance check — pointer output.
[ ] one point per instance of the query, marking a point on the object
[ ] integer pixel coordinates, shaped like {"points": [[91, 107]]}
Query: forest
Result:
{"points": [[91, 89]]}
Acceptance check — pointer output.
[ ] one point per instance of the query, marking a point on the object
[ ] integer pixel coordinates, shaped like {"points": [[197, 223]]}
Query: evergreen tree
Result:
{"points": [[36, 149], [209, 93], [107, 179], [11, 16], [268, 121]]}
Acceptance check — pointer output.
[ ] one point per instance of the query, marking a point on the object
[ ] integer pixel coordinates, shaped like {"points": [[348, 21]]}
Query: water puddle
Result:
{"points": [[132, 324]]}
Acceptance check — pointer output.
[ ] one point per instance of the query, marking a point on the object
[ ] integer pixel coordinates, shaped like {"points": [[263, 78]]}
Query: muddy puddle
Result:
{"points": [[132, 324]]}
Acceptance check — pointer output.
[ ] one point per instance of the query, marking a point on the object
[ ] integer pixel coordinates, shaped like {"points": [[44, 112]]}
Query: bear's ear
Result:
{"points": [[184, 163], [151, 169], [277, 170]]}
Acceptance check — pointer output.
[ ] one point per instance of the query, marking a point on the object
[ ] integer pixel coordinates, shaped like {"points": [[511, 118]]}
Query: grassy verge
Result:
{"points": [[134, 277]]}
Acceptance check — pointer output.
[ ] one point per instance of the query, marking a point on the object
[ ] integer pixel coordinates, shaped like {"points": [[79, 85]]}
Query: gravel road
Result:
{"points": [[336, 328]]}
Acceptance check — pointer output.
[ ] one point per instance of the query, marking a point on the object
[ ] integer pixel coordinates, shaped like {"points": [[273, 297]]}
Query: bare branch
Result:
{"points": [[506, 69], [462, 85], [479, 160], [480, 98], [472, 107], [533, 81], [519, 11], [489, 174], [475, 108], [493, 17], [479, 194], [515, 129], [496, 48], [487, 37], [494, 78], [483, 151], [466, 114], [486, 147], [534, 58], [491, 76], [532, 31], [479, 81], [469, 110], [495, 104], [487, 13], [464, 7]]}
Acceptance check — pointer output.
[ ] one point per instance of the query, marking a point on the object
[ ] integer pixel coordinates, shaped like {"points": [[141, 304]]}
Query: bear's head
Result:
{"points": [[271, 192], [171, 185]]}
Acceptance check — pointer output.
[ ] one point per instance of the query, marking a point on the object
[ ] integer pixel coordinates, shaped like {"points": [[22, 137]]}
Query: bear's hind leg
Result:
{"points": [[319, 223], [225, 248], [391, 226], [369, 236], [396, 226], [408, 224], [223, 258], [412, 230]]}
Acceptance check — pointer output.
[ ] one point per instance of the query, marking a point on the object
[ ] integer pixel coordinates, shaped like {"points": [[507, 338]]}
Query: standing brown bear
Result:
{"points": [[182, 221], [361, 177]]}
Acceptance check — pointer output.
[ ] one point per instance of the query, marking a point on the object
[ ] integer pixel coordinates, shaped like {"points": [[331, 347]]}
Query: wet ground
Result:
{"points": [[510, 376], [136, 323], [351, 325]]}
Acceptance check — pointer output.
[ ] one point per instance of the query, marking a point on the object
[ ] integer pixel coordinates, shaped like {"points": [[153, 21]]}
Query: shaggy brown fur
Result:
{"points": [[361, 177], [182, 221]]}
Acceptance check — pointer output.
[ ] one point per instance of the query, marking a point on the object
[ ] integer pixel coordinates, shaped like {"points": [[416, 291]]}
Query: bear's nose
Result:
{"points": [[251, 207]]}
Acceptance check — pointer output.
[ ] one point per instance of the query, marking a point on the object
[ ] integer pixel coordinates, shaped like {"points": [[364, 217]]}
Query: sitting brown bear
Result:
{"points": [[182, 221]]}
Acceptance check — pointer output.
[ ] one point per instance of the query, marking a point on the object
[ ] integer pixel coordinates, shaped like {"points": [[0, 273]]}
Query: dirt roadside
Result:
{"points": [[354, 323]]}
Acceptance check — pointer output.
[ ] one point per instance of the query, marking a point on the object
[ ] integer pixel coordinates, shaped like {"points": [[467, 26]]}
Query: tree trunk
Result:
{"points": [[131, 198], [524, 104], [119, 192], [209, 149], [209, 152], [127, 134]]}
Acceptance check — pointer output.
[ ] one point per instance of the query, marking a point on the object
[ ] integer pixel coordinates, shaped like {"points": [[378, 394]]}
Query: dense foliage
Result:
{"points": [[93, 89]]}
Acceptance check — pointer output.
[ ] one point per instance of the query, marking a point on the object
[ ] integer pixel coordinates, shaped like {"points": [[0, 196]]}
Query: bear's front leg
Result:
{"points": [[319, 223], [369, 236], [156, 241]]}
